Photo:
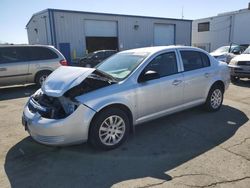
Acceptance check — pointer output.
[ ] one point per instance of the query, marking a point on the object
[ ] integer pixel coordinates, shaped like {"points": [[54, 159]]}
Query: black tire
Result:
{"points": [[209, 105], [94, 133], [234, 78], [40, 75]]}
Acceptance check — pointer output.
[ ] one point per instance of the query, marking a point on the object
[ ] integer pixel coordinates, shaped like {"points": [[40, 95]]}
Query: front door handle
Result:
{"points": [[3, 69], [176, 82]]}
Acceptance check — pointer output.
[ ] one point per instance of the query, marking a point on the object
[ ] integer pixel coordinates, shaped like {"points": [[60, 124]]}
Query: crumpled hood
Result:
{"points": [[63, 79], [216, 54]]}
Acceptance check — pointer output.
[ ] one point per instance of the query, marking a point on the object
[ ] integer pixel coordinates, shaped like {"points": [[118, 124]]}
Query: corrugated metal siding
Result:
{"points": [[69, 28], [38, 22], [220, 34]]}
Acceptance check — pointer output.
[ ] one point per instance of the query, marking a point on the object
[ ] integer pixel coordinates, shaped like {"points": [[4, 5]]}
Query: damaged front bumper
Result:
{"points": [[69, 130]]}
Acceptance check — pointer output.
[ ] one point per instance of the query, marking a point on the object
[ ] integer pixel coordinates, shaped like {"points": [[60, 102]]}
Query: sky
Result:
{"points": [[14, 14]]}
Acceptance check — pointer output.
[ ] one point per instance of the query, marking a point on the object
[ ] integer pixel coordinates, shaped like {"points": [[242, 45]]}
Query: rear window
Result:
{"points": [[18, 54]]}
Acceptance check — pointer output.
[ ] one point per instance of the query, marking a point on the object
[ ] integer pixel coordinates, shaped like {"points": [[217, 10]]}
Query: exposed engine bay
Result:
{"points": [[62, 106]]}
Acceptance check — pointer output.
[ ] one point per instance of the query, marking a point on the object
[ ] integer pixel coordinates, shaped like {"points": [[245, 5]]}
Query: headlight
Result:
{"points": [[233, 62]]}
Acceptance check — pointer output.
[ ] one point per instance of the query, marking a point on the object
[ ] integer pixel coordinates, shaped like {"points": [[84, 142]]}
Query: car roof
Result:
{"points": [[25, 45], [155, 49]]}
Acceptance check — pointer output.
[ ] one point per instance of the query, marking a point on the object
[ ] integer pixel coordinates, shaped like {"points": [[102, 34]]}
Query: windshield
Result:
{"points": [[247, 51], [120, 65]]}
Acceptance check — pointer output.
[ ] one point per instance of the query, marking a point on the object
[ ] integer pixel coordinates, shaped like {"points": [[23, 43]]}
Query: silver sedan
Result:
{"points": [[103, 104]]}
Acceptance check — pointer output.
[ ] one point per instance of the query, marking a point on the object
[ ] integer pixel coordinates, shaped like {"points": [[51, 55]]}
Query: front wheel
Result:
{"points": [[41, 77], [214, 99], [109, 129]]}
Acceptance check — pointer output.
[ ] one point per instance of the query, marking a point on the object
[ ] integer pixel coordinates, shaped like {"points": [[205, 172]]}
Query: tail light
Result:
{"points": [[64, 62]]}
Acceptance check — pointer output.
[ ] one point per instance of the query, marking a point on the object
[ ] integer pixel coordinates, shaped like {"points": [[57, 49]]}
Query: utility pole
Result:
{"points": [[182, 13]]}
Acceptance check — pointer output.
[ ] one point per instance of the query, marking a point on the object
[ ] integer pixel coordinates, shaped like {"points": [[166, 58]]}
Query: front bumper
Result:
{"points": [[70, 130], [240, 71]]}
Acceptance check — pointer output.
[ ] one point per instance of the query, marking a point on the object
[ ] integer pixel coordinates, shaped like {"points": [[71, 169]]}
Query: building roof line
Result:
{"points": [[106, 14], [224, 14]]}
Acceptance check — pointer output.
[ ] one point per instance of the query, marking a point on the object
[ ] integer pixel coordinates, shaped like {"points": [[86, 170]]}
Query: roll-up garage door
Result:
{"points": [[164, 34], [101, 35]]}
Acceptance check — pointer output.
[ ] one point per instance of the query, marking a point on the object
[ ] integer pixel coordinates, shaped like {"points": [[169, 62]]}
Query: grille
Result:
{"points": [[244, 63]]}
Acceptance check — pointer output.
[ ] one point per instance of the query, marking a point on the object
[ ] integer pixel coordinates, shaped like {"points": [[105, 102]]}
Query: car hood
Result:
{"points": [[216, 54], [63, 79], [242, 57]]}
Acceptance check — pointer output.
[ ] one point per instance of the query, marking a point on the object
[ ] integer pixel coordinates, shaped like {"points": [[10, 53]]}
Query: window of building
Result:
{"points": [[203, 27]]}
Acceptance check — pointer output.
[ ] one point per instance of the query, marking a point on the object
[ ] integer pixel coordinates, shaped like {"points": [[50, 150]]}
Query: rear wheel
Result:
{"points": [[214, 98], [41, 77], [109, 129]]}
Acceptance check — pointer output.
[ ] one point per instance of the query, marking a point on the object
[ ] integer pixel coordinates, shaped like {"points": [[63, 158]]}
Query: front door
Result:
{"points": [[159, 96]]}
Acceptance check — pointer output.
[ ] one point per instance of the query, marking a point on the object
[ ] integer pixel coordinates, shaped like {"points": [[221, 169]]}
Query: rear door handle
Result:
{"points": [[3, 69], [176, 82], [207, 74]]}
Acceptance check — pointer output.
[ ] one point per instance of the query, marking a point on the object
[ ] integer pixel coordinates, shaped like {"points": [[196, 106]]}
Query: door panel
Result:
{"points": [[159, 96], [197, 75], [195, 85]]}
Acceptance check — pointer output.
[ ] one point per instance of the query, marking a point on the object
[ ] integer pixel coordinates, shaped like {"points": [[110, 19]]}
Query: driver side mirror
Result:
{"points": [[149, 75]]}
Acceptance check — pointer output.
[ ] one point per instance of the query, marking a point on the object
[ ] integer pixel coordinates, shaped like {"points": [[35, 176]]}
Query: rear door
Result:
{"points": [[197, 74], [13, 66]]}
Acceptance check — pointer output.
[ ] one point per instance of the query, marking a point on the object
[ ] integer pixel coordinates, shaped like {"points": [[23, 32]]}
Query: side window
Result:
{"points": [[193, 60], [8, 55], [164, 64], [205, 60], [41, 53]]}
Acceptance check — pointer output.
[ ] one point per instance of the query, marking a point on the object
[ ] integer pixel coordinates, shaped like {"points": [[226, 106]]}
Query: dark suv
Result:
{"points": [[94, 58]]}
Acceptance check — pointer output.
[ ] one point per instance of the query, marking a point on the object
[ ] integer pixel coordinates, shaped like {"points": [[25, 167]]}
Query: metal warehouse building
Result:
{"points": [[76, 33], [223, 29]]}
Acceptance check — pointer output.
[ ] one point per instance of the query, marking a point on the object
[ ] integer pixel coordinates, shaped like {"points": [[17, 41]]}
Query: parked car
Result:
{"points": [[103, 104], [240, 66], [20, 64], [226, 53], [92, 59]]}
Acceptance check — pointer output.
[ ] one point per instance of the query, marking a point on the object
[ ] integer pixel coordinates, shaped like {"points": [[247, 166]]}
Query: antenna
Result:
{"points": [[182, 12]]}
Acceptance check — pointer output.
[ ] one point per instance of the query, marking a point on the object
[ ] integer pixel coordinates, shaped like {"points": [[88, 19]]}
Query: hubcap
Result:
{"points": [[216, 98], [112, 130], [42, 79]]}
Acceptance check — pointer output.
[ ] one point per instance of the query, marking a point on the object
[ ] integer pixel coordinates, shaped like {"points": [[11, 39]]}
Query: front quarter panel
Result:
{"points": [[119, 93]]}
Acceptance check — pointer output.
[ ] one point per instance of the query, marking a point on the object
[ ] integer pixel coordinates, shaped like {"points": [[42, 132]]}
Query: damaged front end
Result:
{"points": [[51, 107], [53, 103]]}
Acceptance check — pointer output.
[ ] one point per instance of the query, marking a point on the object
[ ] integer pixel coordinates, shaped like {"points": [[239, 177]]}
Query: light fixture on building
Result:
{"points": [[136, 27]]}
